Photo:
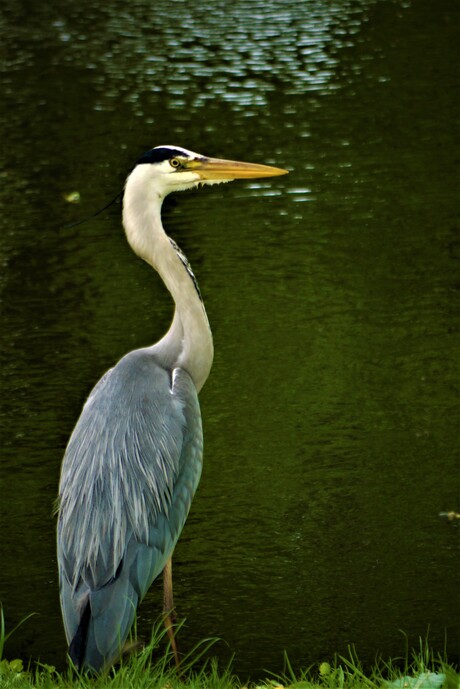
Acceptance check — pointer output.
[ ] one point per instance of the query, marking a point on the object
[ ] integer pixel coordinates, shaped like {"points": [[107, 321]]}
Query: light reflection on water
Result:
{"points": [[242, 53]]}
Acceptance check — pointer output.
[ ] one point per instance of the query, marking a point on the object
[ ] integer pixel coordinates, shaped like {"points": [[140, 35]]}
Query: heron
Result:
{"points": [[134, 459]]}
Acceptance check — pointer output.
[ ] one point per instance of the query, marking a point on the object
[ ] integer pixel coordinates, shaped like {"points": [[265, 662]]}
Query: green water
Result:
{"points": [[331, 414]]}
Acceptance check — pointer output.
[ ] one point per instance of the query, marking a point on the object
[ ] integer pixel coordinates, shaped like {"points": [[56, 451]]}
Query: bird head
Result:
{"points": [[173, 168]]}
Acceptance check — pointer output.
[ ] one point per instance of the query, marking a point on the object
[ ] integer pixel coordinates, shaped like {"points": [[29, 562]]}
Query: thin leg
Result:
{"points": [[168, 607]]}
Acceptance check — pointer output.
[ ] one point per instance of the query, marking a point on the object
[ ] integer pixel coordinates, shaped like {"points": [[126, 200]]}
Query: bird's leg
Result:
{"points": [[169, 613]]}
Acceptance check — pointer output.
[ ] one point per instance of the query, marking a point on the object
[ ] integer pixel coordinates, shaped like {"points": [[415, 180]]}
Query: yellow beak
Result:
{"points": [[215, 168]]}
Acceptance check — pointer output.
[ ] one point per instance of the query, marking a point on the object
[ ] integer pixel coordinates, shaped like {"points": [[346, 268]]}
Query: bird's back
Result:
{"points": [[129, 474]]}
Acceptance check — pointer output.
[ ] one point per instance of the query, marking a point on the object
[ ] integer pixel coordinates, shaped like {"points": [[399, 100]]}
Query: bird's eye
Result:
{"points": [[175, 162]]}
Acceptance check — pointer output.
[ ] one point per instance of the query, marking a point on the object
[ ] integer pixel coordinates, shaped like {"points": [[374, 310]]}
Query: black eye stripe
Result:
{"points": [[158, 155]]}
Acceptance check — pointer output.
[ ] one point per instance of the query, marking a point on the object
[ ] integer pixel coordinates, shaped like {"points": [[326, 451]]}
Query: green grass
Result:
{"points": [[151, 668]]}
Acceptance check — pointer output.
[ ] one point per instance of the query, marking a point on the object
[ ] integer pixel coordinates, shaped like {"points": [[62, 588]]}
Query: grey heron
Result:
{"points": [[133, 461]]}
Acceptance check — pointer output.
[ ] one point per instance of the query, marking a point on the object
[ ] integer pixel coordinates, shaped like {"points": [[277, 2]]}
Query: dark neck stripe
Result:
{"points": [[187, 266]]}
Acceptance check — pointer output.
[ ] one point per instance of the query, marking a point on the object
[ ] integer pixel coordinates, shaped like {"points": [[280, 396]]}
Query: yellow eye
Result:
{"points": [[175, 162]]}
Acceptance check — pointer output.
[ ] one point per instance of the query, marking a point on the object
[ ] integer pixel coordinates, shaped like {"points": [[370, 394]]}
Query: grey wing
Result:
{"points": [[129, 474]]}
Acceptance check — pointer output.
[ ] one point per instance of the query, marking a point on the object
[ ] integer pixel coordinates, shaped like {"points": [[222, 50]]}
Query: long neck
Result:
{"points": [[188, 342]]}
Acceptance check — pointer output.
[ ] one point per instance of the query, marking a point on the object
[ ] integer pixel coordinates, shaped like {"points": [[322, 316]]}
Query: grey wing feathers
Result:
{"points": [[129, 474]]}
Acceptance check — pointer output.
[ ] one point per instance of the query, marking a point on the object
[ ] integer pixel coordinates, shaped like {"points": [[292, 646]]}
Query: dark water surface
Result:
{"points": [[331, 415]]}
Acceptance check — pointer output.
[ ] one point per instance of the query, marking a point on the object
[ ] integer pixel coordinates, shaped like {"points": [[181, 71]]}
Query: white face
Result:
{"points": [[173, 176], [173, 168]]}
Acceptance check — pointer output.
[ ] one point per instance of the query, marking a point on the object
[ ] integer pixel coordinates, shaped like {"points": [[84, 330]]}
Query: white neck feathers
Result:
{"points": [[188, 342]]}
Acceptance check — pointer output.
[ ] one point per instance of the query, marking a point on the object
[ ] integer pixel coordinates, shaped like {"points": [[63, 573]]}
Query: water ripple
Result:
{"points": [[240, 54]]}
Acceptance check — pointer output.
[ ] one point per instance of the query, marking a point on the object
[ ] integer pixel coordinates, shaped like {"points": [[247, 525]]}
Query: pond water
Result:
{"points": [[331, 413]]}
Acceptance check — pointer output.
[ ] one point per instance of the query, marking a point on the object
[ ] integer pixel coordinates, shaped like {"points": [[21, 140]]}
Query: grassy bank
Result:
{"points": [[152, 668]]}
